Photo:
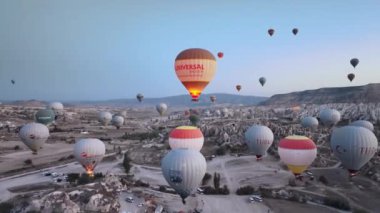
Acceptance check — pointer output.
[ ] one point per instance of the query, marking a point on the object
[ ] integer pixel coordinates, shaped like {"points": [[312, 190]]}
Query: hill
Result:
{"points": [[369, 93], [179, 101]]}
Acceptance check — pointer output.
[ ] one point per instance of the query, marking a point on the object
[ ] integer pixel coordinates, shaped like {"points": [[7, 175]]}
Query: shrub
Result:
{"points": [[72, 177], [139, 183], [98, 175], [17, 147], [84, 179], [28, 162], [6, 207], [221, 151], [323, 180], [245, 190], [162, 189], [336, 203]]}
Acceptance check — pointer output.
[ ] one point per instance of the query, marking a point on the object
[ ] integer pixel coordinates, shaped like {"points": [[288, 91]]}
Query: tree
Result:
{"points": [[127, 163], [206, 179], [194, 119], [216, 180]]}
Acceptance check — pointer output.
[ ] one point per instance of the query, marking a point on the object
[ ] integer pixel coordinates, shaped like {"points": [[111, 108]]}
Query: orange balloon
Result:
{"points": [[195, 68]]}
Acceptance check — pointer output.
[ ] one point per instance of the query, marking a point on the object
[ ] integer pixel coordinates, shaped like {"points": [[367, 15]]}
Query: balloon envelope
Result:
{"points": [[213, 98], [238, 87], [139, 97], [354, 62], [363, 123], [351, 76], [34, 136], [161, 108], [195, 68], [105, 118], [117, 121], [329, 117], [259, 139], [89, 152], [220, 55], [45, 116], [354, 146], [184, 169], [309, 122], [295, 31], [271, 32], [297, 152], [186, 137], [262, 81]]}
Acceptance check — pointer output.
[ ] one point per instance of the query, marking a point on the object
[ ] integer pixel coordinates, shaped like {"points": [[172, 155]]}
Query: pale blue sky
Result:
{"points": [[97, 50]]}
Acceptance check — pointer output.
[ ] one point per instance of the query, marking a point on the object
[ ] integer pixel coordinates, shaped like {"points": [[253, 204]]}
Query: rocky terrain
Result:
{"points": [[144, 137]]}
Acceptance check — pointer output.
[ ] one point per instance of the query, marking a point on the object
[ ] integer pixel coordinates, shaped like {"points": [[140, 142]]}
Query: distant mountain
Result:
{"points": [[369, 93], [179, 101], [27, 103]]}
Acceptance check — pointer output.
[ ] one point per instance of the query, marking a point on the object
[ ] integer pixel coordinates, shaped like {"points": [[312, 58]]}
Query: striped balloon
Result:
{"points": [[354, 146], [186, 137], [297, 152]]}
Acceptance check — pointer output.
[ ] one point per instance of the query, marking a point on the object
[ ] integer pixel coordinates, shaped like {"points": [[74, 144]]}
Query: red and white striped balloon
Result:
{"points": [[186, 137]]}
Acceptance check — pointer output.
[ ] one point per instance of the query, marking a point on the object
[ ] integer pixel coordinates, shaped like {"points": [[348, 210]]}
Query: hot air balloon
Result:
{"points": [[105, 118], [354, 62], [238, 87], [213, 98], [295, 31], [259, 139], [329, 117], [351, 76], [297, 152], [117, 121], [34, 136], [57, 107], [13, 81], [262, 81], [189, 137], [363, 123], [184, 169], [220, 55], [139, 97], [45, 116], [271, 32], [353, 146], [195, 68], [89, 152], [309, 122], [161, 108]]}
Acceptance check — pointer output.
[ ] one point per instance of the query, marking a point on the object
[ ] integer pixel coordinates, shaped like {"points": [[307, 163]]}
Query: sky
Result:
{"points": [[99, 50]]}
